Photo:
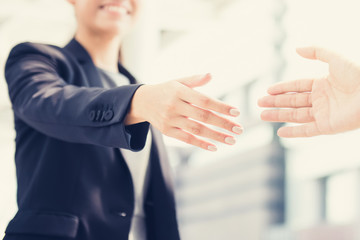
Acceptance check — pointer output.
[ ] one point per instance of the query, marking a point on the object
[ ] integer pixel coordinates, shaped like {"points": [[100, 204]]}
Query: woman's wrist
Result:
{"points": [[136, 114]]}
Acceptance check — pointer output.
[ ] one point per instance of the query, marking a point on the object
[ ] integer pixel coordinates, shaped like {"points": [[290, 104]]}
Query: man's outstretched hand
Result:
{"points": [[323, 106]]}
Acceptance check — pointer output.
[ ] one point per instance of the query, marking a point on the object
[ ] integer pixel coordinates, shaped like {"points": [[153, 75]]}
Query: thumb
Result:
{"points": [[316, 53], [195, 81]]}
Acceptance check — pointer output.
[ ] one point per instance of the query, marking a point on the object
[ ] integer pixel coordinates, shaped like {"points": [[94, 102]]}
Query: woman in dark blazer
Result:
{"points": [[77, 110]]}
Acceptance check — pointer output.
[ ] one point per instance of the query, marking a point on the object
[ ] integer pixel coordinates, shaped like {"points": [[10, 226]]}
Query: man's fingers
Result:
{"points": [[190, 139], [317, 53], [208, 117], [298, 115], [296, 100], [195, 81], [305, 130], [193, 97], [300, 85], [201, 130]]}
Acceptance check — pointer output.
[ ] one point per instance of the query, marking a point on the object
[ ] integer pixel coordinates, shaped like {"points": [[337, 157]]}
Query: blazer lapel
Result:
{"points": [[83, 57], [126, 73], [92, 73]]}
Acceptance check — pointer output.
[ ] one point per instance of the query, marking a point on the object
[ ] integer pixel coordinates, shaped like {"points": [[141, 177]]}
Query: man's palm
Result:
{"points": [[325, 106]]}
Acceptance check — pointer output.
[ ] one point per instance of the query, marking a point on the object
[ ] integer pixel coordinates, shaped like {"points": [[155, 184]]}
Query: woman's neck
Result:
{"points": [[103, 49]]}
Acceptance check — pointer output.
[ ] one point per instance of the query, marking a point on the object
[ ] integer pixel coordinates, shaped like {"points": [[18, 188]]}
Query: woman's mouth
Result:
{"points": [[116, 8]]}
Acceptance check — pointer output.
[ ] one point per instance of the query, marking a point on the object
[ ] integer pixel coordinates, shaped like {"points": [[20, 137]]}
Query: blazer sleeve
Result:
{"points": [[46, 102]]}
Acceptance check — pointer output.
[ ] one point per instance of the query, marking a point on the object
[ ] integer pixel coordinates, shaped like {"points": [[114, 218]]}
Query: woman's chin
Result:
{"points": [[115, 29]]}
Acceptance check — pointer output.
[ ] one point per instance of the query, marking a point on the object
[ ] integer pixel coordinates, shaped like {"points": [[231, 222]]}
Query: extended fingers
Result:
{"points": [[296, 100], [297, 115], [190, 139], [305, 130], [196, 98], [300, 85], [209, 117], [201, 130]]}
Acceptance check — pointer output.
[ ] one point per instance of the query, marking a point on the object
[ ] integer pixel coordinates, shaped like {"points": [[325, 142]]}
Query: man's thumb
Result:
{"points": [[195, 81]]}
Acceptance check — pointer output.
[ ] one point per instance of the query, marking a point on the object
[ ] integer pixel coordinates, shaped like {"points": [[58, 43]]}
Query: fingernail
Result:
{"points": [[230, 140], [212, 148], [234, 112], [237, 129]]}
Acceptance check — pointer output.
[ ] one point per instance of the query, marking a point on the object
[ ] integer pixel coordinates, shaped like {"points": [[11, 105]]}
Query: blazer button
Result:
{"points": [[122, 214], [92, 115], [109, 114]]}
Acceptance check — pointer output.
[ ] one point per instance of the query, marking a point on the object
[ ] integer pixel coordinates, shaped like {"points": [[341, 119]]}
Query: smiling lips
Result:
{"points": [[116, 7]]}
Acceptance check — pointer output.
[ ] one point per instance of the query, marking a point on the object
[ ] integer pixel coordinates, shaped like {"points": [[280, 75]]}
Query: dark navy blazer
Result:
{"points": [[73, 182]]}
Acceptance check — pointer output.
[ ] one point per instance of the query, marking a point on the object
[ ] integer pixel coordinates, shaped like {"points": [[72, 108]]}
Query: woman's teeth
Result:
{"points": [[116, 9]]}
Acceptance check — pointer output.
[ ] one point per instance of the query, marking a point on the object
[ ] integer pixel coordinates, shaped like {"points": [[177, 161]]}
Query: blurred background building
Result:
{"points": [[263, 188]]}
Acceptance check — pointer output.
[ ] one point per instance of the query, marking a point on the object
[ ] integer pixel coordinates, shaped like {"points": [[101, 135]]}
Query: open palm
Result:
{"points": [[324, 106]]}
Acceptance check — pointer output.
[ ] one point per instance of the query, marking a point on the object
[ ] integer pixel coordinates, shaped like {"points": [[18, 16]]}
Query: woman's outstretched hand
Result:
{"points": [[178, 111], [327, 105]]}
